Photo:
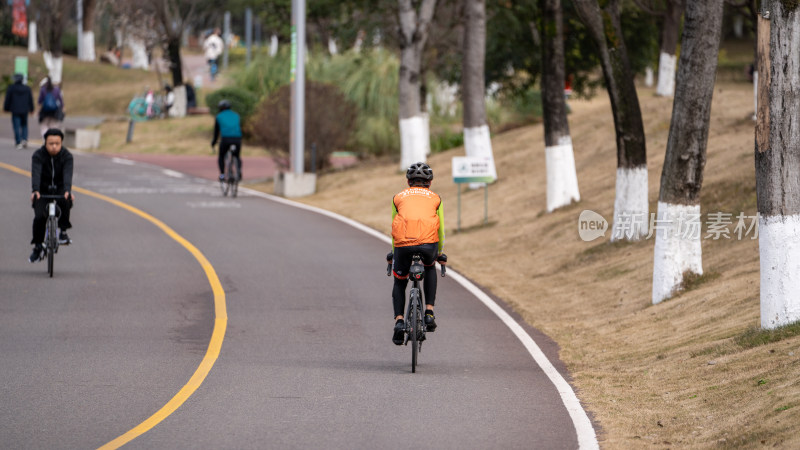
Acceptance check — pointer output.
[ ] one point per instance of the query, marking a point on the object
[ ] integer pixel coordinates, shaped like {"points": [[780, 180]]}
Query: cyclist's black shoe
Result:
{"points": [[239, 176], [430, 321], [399, 332], [63, 239], [37, 253]]}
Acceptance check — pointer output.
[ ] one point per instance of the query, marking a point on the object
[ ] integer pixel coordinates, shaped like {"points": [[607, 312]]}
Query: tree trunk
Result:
{"points": [[669, 42], [777, 159], [412, 39], [87, 51], [33, 43], [678, 247], [477, 139], [174, 54], [562, 179], [630, 205]]}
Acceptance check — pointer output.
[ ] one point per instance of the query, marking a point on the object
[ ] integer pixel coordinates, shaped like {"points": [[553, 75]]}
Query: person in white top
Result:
{"points": [[213, 47]]}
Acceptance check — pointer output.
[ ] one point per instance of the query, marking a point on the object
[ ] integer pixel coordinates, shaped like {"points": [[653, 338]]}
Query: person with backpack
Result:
{"points": [[19, 102], [51, 106]]}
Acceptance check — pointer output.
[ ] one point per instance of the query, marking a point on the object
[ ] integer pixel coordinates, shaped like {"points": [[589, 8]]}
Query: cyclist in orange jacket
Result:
{"points": [[417, 227]]}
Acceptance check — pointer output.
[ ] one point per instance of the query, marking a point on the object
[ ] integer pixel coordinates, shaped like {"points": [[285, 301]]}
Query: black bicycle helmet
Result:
{"points": [[223, 105], [419, 171]]}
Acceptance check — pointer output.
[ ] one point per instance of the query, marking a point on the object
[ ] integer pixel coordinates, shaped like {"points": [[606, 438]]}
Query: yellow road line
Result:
{"points": [[217, 335]]}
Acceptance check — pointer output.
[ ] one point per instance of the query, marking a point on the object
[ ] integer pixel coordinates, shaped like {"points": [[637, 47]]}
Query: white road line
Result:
{"points": [[587, 438], [172, 173], [123, 161]]}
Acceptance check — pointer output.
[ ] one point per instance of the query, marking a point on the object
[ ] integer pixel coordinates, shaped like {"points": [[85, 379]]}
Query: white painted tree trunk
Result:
{"points": [[139, 54], [55, 66], [666, 75], [678, 248], [779, 249], [87, 51], [562, 179], [273, 45], [178, 108], [33, 43], [648, 76], [631, 209], [427, 130], [478, 144], [413, 141], [333, 49]]}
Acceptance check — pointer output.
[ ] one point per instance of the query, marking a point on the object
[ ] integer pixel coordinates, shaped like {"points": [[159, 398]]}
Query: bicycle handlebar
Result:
{"points": [[51, 197]]}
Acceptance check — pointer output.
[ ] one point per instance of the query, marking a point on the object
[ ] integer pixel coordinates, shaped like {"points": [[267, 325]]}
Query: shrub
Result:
{"points": [[242, 101], [329, 122]]}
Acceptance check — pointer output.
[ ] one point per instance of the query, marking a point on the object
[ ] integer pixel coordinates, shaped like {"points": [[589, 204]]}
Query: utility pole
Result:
{"points": [[298, 83], [226, 38], [80, 30], [248, 33]]}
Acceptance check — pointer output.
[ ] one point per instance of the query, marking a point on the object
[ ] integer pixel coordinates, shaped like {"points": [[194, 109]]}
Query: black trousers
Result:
{"points": [[400, 266], [224, 146], [40, 217]]}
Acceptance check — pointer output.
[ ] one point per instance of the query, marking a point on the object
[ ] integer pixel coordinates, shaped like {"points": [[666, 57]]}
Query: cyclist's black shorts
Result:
{"points": [[402, 257]]}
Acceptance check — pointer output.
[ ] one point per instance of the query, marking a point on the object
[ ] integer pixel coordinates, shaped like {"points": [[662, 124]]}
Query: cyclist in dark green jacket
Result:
{"points": [[228, 127]]}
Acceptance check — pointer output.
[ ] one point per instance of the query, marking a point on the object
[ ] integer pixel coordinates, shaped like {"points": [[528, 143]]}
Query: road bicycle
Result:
{"points": [[415, 315], [51, 230], [230, 182]]}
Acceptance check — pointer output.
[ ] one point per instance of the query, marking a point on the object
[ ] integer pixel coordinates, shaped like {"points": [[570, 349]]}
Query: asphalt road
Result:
{"points": [[306, 360]]}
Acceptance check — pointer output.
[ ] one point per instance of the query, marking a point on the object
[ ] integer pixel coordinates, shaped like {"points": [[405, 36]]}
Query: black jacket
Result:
{"points": [[46, 169], [19, 99]]}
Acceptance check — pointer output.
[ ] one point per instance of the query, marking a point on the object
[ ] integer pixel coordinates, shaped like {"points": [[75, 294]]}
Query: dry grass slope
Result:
{"points": [[684, 373]]}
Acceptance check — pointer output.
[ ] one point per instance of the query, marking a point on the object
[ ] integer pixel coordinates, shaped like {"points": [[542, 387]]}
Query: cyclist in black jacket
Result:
{"points": [[51, 174]]}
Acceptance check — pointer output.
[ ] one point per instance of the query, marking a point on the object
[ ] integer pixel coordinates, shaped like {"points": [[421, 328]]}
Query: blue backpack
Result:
{"points": [[50, 104]]}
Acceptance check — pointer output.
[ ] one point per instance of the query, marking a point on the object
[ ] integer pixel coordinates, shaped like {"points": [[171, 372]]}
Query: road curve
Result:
{"points": [[307, 359]]}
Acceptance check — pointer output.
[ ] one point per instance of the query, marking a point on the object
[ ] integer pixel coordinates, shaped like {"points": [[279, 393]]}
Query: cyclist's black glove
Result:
{"points": [[442, 259], [389, 257]]}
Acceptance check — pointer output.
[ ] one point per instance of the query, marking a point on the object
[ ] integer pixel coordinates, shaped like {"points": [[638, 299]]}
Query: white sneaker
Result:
{"points": [[20, 146]]}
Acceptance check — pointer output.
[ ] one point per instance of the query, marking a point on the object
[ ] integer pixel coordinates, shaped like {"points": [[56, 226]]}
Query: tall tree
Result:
{"points": [[562, 179], [477, 141], [777, 157], [414, 134], [630, 205], [53, 16], [87, 51], [678, 246]]}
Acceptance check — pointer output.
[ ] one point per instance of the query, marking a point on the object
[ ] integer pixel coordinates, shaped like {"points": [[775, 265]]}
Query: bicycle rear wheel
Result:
{"points": [[415, 323], [225, 184], [234, 175]]}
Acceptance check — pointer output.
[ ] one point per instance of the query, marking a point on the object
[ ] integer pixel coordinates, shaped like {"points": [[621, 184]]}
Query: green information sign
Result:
{"points": [[21, 66]]}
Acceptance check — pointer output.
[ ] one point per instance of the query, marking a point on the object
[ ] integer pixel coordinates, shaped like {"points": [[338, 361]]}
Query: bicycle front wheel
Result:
{"points": [[51, 242]]}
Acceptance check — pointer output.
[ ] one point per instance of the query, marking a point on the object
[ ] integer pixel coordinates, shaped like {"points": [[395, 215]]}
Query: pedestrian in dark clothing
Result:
{"points": [[51, 106], [19, 102], [51, 174], [191, 98]]}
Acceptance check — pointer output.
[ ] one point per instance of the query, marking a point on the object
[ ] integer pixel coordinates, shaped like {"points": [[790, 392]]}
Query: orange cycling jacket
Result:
{"points": [[417, 218]]}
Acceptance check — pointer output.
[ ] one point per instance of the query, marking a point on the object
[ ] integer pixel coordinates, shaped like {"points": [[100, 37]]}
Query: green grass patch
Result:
{"points": [[755, 337]]}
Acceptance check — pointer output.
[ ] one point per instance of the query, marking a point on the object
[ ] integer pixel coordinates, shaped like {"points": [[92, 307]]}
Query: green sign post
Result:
{"points": [[469, 169]]}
